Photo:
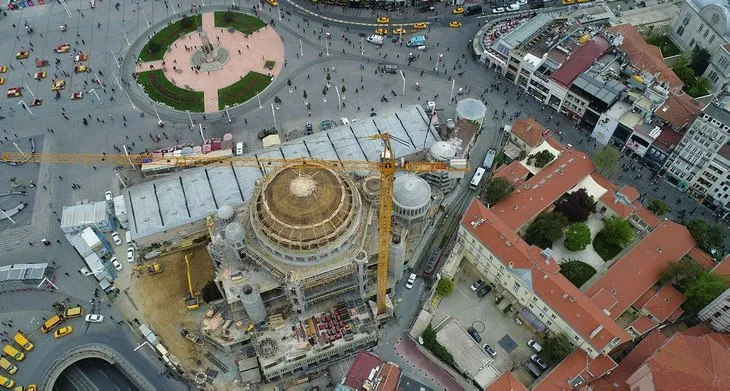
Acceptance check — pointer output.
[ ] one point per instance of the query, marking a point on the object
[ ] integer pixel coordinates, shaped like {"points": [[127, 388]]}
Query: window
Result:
{"points": [[692, 42], [576, 338], [712, 38], [680, 31], [686, 20], [534, 299], [699, 30], [705, 34], [516, 287]]}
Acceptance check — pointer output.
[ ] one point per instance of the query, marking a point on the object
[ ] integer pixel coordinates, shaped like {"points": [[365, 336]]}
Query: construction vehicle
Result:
{"points": [[190, 336], [154, 268], [386, 166], [192, 300]]}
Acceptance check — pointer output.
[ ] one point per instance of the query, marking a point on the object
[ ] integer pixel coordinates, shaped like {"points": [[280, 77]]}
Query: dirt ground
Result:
{"points": [[160, 299]]}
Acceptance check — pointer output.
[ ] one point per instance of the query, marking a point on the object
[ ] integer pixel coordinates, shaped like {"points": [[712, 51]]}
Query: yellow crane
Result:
{"points": [[191, 299], [387, 166]]}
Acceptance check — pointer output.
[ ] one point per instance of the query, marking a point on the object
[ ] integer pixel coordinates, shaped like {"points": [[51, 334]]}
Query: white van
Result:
{"points": [[239, 149], [128, 237]]}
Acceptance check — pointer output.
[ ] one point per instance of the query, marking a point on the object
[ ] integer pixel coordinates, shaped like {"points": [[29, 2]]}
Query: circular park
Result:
{"points": [[208, 62]]}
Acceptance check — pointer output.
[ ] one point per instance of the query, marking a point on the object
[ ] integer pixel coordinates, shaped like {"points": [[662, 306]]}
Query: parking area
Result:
{"points": [[502, 333]]}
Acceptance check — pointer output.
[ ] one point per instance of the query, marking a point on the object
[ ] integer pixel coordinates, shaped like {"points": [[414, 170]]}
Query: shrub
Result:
{"points": [[576, 206], [187, 22], [497, 189], [577, 237], [577, 272], [445, 287], [545, 229]]}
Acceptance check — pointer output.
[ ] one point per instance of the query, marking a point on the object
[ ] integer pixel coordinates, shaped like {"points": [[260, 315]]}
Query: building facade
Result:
{"points": [[717, 313]]}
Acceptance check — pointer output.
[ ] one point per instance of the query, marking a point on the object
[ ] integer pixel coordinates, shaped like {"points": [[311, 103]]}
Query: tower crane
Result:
{"points": [[386, 166]]}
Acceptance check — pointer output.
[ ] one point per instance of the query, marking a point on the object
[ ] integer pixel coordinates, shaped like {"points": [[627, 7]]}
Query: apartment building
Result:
{"points": [[706, 23]]}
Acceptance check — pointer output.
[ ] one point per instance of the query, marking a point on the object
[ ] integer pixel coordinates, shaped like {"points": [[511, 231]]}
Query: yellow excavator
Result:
{"points": [[192, 300]]}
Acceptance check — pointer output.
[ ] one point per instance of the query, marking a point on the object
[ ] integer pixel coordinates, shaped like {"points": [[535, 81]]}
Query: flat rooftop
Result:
{"points": [[190, 195]]}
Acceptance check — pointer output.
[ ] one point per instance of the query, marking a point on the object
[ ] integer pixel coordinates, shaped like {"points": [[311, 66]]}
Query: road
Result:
{"points": [[94, 374]]}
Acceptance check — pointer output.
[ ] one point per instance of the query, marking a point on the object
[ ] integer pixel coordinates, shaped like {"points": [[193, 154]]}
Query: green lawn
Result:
{"points": [[246, 24], [156, 47], [160, 89], [242, 90], [666, 45], [606, 250]]}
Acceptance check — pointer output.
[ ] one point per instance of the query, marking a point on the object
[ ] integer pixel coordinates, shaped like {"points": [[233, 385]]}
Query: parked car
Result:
{"points": [[490, 351], [498, 10], [534, 346], [476, 285], [63, 331], [94, 318], [411, 281], [537, 360], [130, 254], [484, 291], [474, 334], [534, 371], [513, 7], [118, 266], [117, 240]]}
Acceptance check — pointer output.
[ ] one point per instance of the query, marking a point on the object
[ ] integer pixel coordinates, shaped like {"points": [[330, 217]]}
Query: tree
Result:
{"points": [[541, 158], [445, 287], [576, 206], [430, 342], [681, 273], [700, 60], [702, 291], [683, 71], [618, 231], [545, 229], [187, 22], [607, 160], [556, 348], [577, 272], [658, 207], [498, 189], [709, 237], [577, 237]]}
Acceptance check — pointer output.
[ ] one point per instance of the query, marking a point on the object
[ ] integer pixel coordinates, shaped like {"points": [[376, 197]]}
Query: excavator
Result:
{"points": [[192, 300]]}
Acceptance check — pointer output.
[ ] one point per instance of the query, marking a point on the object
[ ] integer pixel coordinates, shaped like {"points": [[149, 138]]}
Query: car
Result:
{"points": [[345, 121], [108, 195], [583, 1], [457, 10], [484, 291], [272, 2], [383, 20], [534, 346], [420, 25], [522, 2], [498, 10], [327, 124], [537, 360], [532, 369], [6, 382], [381, 31], [513, 7], [427, 8], [567, 2], [117, 240], [94, 318], [454, 24], [476, 285], [130, 254], [490, 351], [265, 132], [410, 281], [474, 334], [399, 31], [116, 264], [63, 331], [31, 387]]}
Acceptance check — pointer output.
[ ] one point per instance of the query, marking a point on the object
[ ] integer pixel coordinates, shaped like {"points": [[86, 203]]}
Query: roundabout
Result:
{"points": [[207, 63]]}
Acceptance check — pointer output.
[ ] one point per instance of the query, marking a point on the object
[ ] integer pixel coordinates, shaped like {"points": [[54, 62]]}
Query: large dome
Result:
{"points": [[305, 210], [442, 151], [411, 191]]}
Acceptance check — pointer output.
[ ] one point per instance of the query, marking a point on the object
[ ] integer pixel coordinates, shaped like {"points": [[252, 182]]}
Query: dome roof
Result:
{"points": [[471, 109], [234, 232], [225, 212], [411, 191], [442, 150]]}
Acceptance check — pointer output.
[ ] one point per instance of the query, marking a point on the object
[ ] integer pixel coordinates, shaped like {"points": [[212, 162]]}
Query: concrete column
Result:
{"points": [[360, 260]]}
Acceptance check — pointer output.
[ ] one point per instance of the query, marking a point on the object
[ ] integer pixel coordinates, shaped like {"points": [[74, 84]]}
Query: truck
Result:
{"points": [[418, 40], [190, 336], [376, 39]]}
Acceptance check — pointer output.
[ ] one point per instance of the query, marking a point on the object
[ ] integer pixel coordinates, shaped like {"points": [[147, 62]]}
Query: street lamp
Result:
{"points": [[404, 82], [45, 280], [115, 58], [22, 102], [29, 90], [439, 57], [339, 102], [126, 152], [145, 16], [227, 115], [192, 125], [126, 38], [273, 113], [201, 132]]}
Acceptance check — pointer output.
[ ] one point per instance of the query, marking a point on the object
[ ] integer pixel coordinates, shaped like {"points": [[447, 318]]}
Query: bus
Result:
{"points": [[489, 159], [477, 178]]}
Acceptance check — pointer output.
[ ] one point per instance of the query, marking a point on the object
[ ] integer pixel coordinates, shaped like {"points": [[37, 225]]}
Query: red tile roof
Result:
{"points": [[581, 60], [687, 363], [577, 363], [648, 217], [515, 173], [667, 139], [544, 188], [529, 131], [723, 268], [389, 377], [616, 380], [506, 382], [644, 298], [642, 325], [644, 56], [542, 277], [679, 110], [676, 314], [697, 330], [360, 369], [664, 302], [617, 204], [603, 299], [702, 258], [630, 192], [638, 270]]}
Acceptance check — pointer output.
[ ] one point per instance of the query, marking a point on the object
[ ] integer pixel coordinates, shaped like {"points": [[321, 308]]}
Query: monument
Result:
{"points": [[209, 57]]}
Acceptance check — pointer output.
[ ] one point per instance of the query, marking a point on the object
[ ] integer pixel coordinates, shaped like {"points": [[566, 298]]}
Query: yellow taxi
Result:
{"points": [[399, 31], [381, 31], [272, 2], [420, 25], [383, 20], [2, 81], [31, 387], [63, 331], [583, 1], [567, 2], [7, 383], [3, 69], [457, 10], [455, 24]]}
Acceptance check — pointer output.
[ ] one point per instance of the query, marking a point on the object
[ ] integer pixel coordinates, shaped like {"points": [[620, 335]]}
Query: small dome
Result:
{"points": [[234, 232], [411, 191], [225, 212], [442, 150]]}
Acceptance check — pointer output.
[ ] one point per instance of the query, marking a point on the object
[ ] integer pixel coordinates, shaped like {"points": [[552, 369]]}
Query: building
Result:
{"points": [[706, 23], [717, 313], [76, 218], [370, 372], [527, 134], [699, 164], [506, 382]]}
